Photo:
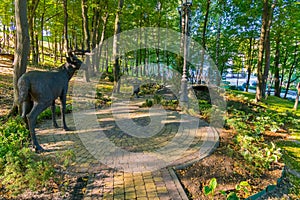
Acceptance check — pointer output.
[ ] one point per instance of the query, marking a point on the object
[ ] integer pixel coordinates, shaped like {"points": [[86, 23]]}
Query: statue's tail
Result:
{"points": [[23, 87]]}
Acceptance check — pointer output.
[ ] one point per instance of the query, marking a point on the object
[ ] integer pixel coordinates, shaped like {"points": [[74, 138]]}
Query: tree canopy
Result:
{"points": [[230, 31]]}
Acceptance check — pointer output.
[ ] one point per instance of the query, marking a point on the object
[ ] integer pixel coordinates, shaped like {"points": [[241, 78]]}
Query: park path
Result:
{"points": [[138, 181]]}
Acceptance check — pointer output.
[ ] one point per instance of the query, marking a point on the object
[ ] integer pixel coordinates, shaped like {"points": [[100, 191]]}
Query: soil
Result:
{"points": [[229, 171], [6, 90]]}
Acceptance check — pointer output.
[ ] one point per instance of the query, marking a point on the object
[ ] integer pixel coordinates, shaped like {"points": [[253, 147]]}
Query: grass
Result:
{"points": [[273, 103], [291, 154]]}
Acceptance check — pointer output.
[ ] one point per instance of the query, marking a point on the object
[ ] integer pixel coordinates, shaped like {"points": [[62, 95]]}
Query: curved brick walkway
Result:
{"points": [[149, 174]]}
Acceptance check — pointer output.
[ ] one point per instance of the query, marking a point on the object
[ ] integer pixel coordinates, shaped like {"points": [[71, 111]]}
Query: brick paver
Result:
{"points": [[143, 173]]}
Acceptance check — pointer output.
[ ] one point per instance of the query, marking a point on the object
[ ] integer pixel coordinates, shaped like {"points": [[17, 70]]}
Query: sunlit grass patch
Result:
{"points": [[105, 86], [291, 153], [273, 103]]}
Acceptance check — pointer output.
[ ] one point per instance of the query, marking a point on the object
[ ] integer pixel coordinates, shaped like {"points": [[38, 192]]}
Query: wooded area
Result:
{"points": [[243, 141], [260, 37]]}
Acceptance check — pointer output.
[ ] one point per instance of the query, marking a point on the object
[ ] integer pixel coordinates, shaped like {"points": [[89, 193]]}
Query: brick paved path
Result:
{"points": [[136, 167]]}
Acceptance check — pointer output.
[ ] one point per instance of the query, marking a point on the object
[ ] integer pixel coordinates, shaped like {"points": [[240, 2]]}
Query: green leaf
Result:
{"points": [[232, 196], [207, 190], [213, 183], [223, 192], [244, 184]]}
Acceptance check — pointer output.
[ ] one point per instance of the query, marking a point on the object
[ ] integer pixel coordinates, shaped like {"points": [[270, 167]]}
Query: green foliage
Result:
{"points": [[13, 136], [205, 109], [170, 104], [256, 153], [232, 196], [64, 159], [25, 169], [157, 99], [250, 125], [102, 100], [47, 114], [148, 103], [241, 190], [210, 188], [20, 168], [295, 183], [149, 88], [291, 154]]}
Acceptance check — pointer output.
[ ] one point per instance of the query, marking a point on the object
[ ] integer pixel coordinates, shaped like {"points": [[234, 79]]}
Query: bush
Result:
{"points": [[148, 103], [20, 168], [170, 104]]}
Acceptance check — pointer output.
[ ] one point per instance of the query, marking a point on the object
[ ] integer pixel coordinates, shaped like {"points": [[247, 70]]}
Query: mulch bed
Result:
{"points": [[228, 170]]}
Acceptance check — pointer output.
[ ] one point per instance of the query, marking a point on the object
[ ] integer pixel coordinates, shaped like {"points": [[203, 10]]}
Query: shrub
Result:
{"points": [[148, 103], [20, 168]]}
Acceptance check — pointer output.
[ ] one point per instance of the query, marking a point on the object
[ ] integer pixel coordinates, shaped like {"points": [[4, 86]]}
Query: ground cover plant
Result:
{"points": [[25, 174], [20, 167], [254, 148]]}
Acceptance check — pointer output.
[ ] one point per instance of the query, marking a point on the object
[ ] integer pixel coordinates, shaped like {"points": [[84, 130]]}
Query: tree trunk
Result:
{"points": [[261, 49], [157, 50], [276, 71], [95, 23], [106, 57], [85, 20], [31, 32], [249, 63], [32, 6], [267, 64], [66, 40], [36, 46], [55, 47], [99, 50], [297, 97], [22, 48], [268, 48], [292, 70], [42, 28], [136, 63], [86, 75], [218, 47], [86, 43], [116, 63], [204, 40]]}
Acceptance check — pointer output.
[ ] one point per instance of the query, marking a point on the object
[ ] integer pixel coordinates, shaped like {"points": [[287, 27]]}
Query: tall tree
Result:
{"points": [[66, 16], [22, 47], [264, 48], [100, 47], [204, 40], [32, 7], [292, 69], [96, 21], [85, 21], [267, 48], [276, 67], [116, 63]]}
